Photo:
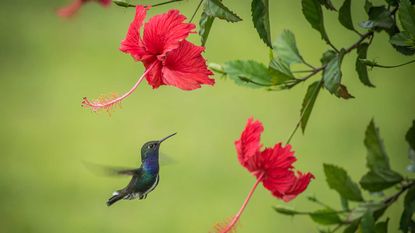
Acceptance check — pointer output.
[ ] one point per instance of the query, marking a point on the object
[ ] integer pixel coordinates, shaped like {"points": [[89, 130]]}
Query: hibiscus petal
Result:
{"points": [[71, 9], [185, 67], [282, 157], [249, 144], [105, 2], [132, 43], [298, 184], [279, 177], [278, 180], [154, 76], [163, 33]]}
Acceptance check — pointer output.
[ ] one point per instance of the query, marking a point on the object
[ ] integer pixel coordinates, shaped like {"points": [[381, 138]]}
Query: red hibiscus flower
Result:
{"points": [[168, 57], [271, 166], [72, 8]]}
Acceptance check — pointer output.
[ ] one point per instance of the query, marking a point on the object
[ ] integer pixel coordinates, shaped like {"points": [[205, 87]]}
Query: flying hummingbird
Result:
{"points": [[145, 178]]}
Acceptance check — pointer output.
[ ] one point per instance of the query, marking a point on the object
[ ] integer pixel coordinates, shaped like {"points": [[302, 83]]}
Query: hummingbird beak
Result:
{"points": [[171, 135]]}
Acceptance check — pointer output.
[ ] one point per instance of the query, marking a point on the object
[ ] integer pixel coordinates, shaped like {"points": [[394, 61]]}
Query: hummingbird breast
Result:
{"points": [[141, 187]]}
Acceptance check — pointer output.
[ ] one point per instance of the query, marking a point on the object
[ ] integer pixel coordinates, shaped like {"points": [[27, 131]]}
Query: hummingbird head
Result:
{"points": [[151, 148]]}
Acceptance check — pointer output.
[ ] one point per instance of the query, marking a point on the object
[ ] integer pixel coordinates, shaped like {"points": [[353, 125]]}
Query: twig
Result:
{"points": [[390, 200], [317, 70], [302, 71], [308, 64], [314, 72], [332, 46], [125, 4], [315, 200], [390, 66], [197, 9], [357, 43], [163, 3], [336, 228]]}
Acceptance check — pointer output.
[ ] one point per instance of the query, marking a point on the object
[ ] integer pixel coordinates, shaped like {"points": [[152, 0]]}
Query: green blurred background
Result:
{"points": [[48, 64]]}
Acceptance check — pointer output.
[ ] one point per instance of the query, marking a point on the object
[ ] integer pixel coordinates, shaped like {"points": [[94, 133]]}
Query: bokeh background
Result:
{"points": [[47, 64]]}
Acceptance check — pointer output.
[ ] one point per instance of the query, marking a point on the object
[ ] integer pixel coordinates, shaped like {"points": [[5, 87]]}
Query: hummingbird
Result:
{"points": [[145, 178]]}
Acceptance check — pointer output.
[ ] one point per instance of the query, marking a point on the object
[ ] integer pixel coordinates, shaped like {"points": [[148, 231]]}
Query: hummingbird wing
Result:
{"points": [[165, 159], [110, 170]]}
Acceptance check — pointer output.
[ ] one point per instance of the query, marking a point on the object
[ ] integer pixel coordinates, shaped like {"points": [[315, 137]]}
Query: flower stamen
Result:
{"points": [[108, 103], [231, 225]]}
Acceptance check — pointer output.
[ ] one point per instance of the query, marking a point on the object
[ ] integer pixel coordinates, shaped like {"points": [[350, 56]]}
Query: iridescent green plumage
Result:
{"points": [[144, 179]]}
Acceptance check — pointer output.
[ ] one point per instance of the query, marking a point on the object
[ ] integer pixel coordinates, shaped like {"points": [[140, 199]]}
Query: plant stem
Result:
{"points": [[357, 32], [321, 68], [124, 4], [315, 200], [302, 71], [357, 43], [96, 105], [163, 3], [313, 72], [336, 228], [390, 200], [235, 219], [308, 64], [302, 114], [332, 46], [197, 9], [391, 66]]}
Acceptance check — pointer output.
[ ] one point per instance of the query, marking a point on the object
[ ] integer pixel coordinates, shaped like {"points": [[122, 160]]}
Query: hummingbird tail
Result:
{"points": [[114, 199]]}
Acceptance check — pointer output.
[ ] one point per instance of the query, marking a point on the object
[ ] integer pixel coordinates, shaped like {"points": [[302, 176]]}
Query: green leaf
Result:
{"points": [[407, 16], [403, 39], [345, 203], [361, 67], [376, 154], [368, 5], [377, 213], [379, 18], [378, 180], [393, 2], [286, 48], [308, 102], [406, 222], [215, 8], [328, 5], [325, 217], [409, 197], [367, 224], [286, 211], [382, 227], [338, 179], [252, 74], [123, 3], [352, 228], [345, 15], [402, 42], [377, 208], [410, 136], [278, 65], [205, 24], [314, 15], [332, 74], [327, 56], [260, 17], [380, 175]]}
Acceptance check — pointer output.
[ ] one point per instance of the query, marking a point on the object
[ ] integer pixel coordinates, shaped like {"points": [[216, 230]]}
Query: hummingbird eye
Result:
{"points": [[150, 146]]}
